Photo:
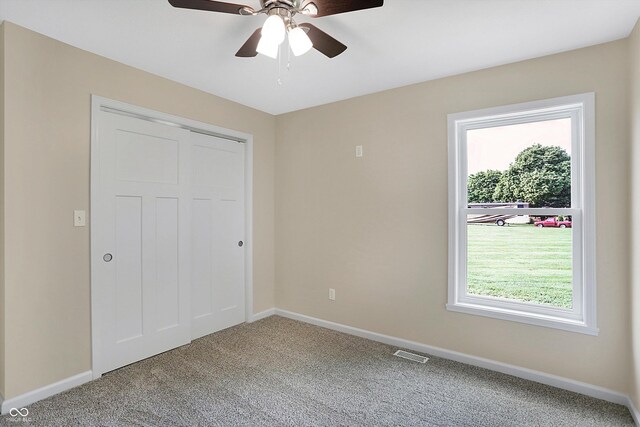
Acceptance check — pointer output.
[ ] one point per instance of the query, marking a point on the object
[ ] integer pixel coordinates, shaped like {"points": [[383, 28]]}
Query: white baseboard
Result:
{"points": [[263, 315], [46, 391], [516, 371], [634, 411]]}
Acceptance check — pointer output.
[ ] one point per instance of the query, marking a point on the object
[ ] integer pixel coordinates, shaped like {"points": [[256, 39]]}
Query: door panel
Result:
{"points": [[218, 289], [167, 235], [228, 266], [141, 217], [159, 158], [216, 166], [128, 283], [202, 256]]}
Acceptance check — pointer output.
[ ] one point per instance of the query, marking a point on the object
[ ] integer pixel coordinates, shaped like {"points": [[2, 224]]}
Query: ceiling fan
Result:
{"points": [[279, 23]]}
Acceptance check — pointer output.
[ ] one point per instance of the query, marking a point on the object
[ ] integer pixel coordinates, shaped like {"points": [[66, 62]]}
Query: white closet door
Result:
{"points": [[218, 225], [141, 240]]}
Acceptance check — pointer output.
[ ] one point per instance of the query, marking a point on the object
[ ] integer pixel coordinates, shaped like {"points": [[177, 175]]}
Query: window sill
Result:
{"points": [[523, 317]]}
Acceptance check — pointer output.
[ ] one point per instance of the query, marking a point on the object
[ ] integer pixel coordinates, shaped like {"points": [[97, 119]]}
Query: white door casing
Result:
{"points": [[141, 212]]}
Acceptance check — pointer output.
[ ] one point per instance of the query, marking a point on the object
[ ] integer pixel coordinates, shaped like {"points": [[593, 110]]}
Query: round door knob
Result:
{"points": [[240, 243], [107, 257]]}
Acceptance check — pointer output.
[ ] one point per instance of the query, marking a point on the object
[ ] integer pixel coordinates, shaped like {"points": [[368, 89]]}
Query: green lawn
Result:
{"points": [[520, 262]]}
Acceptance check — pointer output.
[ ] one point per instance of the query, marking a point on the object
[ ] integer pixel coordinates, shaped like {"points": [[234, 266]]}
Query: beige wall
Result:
{"points": [[2, 306], [47, 136], [375, 228], [634, 50]]}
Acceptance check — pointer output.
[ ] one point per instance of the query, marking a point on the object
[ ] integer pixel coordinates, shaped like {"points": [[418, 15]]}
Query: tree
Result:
{"points": [[482, 185], [540, 176]]}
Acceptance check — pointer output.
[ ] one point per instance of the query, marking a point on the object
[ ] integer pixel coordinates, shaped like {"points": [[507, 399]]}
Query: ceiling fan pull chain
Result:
{"points": [[279, 81]]}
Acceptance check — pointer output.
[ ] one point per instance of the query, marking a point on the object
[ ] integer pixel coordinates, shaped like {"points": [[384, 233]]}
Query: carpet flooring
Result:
{"points": [[280, 372]]}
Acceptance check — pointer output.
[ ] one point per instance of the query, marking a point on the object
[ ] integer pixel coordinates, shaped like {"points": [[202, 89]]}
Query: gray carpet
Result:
{"points": [[279, 372]]}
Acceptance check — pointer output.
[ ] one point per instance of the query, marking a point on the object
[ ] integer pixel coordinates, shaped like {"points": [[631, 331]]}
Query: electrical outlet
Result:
{"points": [[358, 150], [332, 294]]}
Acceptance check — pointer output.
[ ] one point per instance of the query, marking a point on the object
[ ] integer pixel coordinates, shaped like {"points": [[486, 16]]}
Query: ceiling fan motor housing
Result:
{"points": [[285, 3], [284, 12]]}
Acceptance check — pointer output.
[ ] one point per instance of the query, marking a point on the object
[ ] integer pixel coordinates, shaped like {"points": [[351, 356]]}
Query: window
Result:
{"points": [[522, 213]]}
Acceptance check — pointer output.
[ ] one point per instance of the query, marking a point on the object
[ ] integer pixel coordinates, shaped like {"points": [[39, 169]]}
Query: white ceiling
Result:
{"points": [[404, 42]]}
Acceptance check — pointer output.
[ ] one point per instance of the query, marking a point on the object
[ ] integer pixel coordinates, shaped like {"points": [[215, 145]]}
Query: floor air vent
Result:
{"points": [[411, 356]]}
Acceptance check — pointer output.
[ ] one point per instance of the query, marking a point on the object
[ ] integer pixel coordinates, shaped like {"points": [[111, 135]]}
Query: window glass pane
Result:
{"points": [[526, 259], [526, 163]]}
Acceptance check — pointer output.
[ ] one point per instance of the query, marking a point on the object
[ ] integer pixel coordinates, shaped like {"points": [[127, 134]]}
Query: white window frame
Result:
{"points": [[581, 109]]}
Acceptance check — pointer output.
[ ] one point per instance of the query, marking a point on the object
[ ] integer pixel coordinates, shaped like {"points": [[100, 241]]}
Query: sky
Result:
{"points": [[497, 147]]}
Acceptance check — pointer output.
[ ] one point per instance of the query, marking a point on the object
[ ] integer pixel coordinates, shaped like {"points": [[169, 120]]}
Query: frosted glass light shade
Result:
{"points": [[273, 29], [299, 41], [267, 47]]}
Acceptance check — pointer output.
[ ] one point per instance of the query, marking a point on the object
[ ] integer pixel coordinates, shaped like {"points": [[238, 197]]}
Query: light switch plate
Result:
{"points": [[358, 150], [79, 219]]}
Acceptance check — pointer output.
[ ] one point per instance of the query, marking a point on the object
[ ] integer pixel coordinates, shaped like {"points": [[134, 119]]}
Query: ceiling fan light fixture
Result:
{"points": [[267, 47], [273, 29], [299, 41]]}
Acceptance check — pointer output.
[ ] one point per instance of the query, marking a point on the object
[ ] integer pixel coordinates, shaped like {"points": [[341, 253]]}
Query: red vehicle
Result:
{"points": [[552, 222]]}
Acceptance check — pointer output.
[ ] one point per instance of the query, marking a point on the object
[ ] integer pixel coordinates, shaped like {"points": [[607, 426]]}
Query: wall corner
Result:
{"points": [[634, 142]]}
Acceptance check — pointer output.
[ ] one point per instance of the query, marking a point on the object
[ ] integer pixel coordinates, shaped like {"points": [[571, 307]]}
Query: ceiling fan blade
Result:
{"points": [[322, 41], [248, 49], [318, 8], [213, 6]]}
